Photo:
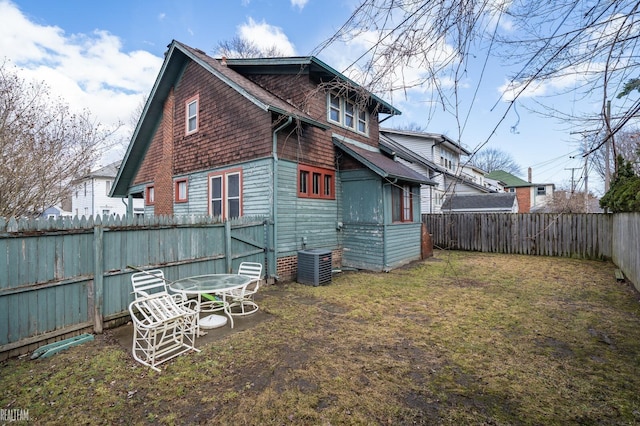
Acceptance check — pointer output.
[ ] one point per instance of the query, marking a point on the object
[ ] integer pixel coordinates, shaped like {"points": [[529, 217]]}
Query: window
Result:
{"points": [[541, 190], [181, 191], [225, 192], [401, 204], [108, 186], [150, 195], [315, 182], [192, 115], [347, 114], [105, 212]]}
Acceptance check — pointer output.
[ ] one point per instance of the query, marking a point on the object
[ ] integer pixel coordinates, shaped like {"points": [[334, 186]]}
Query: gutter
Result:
{"points": [[275, 193]]}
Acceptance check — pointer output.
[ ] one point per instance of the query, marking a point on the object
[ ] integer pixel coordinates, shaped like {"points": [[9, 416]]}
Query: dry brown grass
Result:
{"points": [[465, 338]]}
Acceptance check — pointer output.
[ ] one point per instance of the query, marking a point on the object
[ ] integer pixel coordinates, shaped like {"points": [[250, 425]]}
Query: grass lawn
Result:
{"points": [[463, 338]]}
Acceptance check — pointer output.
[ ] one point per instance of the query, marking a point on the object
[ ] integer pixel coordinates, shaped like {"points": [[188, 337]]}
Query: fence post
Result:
{"points": [[227, 245], [98, 282]]}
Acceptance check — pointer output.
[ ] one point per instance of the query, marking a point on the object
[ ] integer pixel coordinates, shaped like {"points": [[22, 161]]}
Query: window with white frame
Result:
{"points": [[541, 190], [225, 194], [192, 115], [347, 114]]}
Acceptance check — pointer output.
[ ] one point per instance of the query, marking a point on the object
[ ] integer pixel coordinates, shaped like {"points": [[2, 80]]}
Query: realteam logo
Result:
{"points": [[14, 415]]}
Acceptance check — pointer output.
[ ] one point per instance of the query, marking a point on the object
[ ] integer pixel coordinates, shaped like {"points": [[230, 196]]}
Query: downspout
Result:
{"points": [[275, 194], [385, 267]]}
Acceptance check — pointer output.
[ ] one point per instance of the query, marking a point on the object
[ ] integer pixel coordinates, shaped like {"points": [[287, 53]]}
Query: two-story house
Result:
{"points": [[531, 196], [290, 139], [437, 157], [90, 195]]}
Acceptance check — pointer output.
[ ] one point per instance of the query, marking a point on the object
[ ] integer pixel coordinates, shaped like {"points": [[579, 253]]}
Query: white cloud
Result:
{"points": [[300, 4], [88, 71], [266, 36]]}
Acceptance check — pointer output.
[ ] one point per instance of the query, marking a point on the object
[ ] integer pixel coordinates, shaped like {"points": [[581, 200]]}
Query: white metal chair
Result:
{"points": [[162, 329], [243, 297], [153, 283]]}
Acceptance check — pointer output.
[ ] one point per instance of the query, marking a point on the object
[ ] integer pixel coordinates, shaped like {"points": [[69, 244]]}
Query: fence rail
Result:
{"points": [[569, 235], [60, 277], [586, 236]]}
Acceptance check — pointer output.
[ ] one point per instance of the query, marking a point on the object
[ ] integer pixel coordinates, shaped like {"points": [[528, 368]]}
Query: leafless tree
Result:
{"points": [[491, 159], [430, 44], [43, 146], [238, 47], [565, 201], [627, 145]]}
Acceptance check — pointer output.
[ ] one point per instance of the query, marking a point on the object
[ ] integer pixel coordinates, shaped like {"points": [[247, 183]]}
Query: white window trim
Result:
{"points": [[342, 114], [188, 103]]}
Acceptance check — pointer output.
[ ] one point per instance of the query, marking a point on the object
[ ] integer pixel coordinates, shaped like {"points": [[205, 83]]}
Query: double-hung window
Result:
{"points": [[401, 204], [225, 194], [150, 195], [347, 114], [316, 182], [191, 109], [181, 191]]}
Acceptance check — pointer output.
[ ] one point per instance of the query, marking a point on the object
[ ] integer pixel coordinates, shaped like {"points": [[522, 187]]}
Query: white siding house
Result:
{"points": [[438, 158], [91, 194]]}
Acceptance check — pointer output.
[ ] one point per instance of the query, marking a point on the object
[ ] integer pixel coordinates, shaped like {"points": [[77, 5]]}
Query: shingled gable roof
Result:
{"points": [[508, 179], [379, 163], [305, 65], [176, 58], [449, 143], [391, 147]]}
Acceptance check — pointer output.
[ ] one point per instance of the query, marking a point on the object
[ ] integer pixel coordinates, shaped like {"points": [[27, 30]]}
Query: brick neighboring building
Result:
{"points": [[531, 196], [290, 139]]}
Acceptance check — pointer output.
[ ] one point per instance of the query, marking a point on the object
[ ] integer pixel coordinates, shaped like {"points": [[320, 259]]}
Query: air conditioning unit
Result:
{"points": [[314, 267]]}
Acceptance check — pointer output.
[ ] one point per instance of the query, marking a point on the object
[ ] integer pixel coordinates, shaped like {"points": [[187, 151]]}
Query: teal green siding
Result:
{"points": [[370, 240], [402, 244], [256, 190], [298, 218]]}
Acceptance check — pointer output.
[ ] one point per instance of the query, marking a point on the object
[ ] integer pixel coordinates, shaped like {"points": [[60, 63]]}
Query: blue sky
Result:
{"points": [[105, 56]]}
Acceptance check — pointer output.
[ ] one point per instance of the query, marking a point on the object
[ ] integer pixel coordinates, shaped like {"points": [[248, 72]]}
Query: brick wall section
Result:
{"points": [[524, 199], [287, 268], [163, 179]]}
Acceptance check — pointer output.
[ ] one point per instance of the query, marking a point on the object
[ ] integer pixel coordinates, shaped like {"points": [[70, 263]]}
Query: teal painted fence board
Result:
{"points": [[72, 274]]}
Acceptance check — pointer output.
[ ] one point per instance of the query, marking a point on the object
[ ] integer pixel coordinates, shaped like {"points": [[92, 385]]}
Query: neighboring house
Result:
{"points": [[291, 139], [438, 158], [91, 194], [531, 196], [481, 203], [55, 212]]}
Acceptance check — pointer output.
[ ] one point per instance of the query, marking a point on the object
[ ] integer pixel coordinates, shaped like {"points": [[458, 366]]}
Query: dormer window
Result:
{"points": [[347, 114]]}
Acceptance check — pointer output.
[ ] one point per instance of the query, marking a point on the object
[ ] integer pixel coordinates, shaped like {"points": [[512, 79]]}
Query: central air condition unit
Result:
{"points": [[314, 267]]}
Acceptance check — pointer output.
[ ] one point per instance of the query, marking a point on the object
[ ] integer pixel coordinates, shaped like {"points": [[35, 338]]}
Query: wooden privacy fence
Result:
{"points": [[60, 277], [581, 235], [570, 235]]}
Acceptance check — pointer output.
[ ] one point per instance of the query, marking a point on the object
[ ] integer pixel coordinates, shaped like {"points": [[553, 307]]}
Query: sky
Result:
{"points": [[105, 57]]}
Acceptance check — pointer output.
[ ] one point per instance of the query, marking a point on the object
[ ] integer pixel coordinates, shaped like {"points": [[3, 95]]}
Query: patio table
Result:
{"points": [[217, 284]]}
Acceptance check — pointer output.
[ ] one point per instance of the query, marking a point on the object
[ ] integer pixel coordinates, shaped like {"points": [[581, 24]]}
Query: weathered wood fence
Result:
{"points": [[59, 278], [587, 236]]}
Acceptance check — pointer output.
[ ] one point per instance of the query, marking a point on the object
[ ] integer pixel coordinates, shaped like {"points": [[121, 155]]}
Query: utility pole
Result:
{"points": [[607, 167], [573, 186], [586, 179]]}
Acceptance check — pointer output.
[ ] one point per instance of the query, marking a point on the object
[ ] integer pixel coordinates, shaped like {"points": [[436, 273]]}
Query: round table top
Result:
{"points": [[210, 283]]}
